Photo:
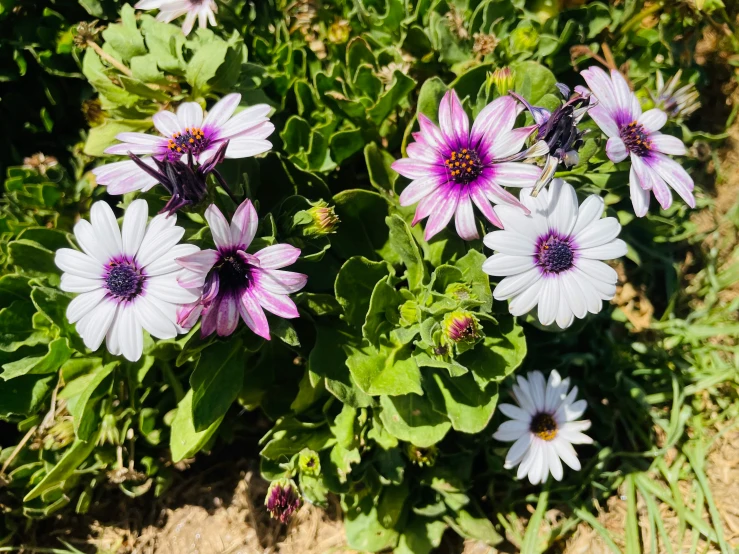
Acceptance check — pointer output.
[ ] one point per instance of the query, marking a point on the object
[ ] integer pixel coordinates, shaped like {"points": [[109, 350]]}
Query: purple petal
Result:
{"points": [[244, 121], [516, 174], [616, 149], [439, 219], [167, 123], [277, 256], [667, 144], [424, 153], [420, 188], [219, 228], [413, 169], [602, 88], [278, 281], [483, 204], [188, 315], [208, 323], [604, 120], [190, 114], [278, 304], [431, 134], [244, 225], [674, 175], [253, 315], [464, 219], [222, 111], [453, 120], [653, 120], [228, 315], [639, 196], [505, 144], [496, 117], [126, 176]]}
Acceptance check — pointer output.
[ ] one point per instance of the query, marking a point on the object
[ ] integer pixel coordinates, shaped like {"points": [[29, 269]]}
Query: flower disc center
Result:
{"points": [[636, 138], [464, 165], [234, 272], [544, 426], [191, 140], [555, 254], [124, 281]]}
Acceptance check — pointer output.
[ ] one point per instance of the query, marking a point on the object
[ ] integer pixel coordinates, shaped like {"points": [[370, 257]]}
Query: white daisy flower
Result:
{"points": [[169, 10], [544, 427], [127, 279], [552, 257]]}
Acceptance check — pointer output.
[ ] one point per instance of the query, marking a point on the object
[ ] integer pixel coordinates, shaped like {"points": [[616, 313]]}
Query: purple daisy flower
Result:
{"points": [[454, 167], [636, 135], [235, 283], [188, 133]]}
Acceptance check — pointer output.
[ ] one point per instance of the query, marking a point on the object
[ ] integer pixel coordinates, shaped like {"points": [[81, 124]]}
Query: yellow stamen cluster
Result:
{"points": [[185, 141], [460, 163]]}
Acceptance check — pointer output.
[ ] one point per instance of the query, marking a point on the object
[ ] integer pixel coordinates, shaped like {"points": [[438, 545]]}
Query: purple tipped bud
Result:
{"points": [[461, 327], [282, 500]]}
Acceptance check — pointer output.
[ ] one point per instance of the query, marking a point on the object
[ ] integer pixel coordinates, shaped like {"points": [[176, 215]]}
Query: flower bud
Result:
{"points": [[422, 457], [309, 463], [282, 499], [524, 38], [503, 79], [323, 220], [339, 31], [60, 435], [93, 112], [408, 313], [460, 292], [461, 327]]}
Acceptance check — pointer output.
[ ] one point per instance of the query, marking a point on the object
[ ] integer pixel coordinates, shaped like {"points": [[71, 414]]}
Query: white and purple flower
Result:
{"points": [[553, 257], [636, 135], [188, 135], [454, 167], [544, 427], [233, 283], [127, 279], [201, 10]]}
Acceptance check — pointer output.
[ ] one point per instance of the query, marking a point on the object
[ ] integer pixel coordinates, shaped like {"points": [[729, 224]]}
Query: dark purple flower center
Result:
{"points": [[555, 254], [544, 426], [636, 138], [282, 502], [192, 140], [124, 280], [464, 165], [233, 273]]}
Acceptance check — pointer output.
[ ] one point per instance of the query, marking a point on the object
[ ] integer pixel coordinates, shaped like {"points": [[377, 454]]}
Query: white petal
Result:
{"points": [[555, 465], [78, 263], [74, 283], [166, 287], [653, 120], [518, 450], [134, 227], [537, 389], [505, 265], [590, 210], [130, 334], [574, 294], [565, 317], [509, 242], [93, 326], [514, 412], [241, 147], [567, 453], [159, 246], [106, 227], [90, 242], [610, 251], [152, 319], [511, 431], [167, 262], [639, 196], [522, 395], [246, 119], [158, 226], [515, 220], [222, 110], [667, 144], [597, 233], [219, 227], [563, 207], [529, 459], [591, 296], [527, 300], [81, 305], [167, 123], [190, 114], [516, 284], [549, 300], [598, 270]]}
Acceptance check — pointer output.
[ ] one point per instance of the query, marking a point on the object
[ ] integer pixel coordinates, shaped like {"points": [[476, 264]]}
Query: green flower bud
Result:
{"points": [[339, 31], [318, 220], [503, 79], [524, 38], [93, 112], [460, 291], [60, 435], [422, 457], [309, 463], [408, 313]]}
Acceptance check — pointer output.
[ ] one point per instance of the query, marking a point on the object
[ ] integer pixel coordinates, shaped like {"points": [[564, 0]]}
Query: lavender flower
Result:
{"points": [[282, 500], [235, 283], [169, 10], [454, 167], [633, 134], [679, 103], [187, 134]]}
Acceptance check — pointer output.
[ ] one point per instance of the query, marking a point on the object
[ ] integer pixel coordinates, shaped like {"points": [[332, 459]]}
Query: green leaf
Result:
{"points": [[204, 64], [83, 407], [103, 136], [16, 327], [59, 352], [72, 459], [411, 418], [185, 440], [420, 536], [145, 69], [359, 233], [364, 532], [471, 527], [499, 354], [23, 395], [125, 37], [429, 98], [461, 399], [354, 285], [31, 256], [289, 436], [382, 314], [345, 143], [402, 242], [388, 370], [53, 304], [533, 81], [471, 267], [220, 367], [381, 175]]}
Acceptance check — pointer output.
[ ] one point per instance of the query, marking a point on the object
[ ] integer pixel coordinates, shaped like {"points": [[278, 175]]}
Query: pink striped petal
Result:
{"points": [[667, 144], [674, 175], [219, 228], [483, 204], [278, 304], [602, 88], [438, 219], [209, 321], [508, 144], [278, 281], [497, 117], [419, 189], [244, 225], [464, 219], [432, 134], [277, 256], [516, 174], [604, 120], [414, 169], [454, 123], [222, 111], [228, 315], [253, 315], [199, 262]]}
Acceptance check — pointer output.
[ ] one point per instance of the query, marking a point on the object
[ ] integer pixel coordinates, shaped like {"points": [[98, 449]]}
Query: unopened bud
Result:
{"points": [[461, 327], [309, 463], [282, 500]]}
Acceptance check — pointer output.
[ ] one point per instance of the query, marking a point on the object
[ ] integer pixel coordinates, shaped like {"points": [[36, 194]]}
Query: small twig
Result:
{"points": [[18, 448], [122, 68], [610, 60]]}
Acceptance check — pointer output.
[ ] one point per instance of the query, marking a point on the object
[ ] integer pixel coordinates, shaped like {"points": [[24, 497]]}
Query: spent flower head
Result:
{"points": [[677, 103], [422, 457], [282, 500]]}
